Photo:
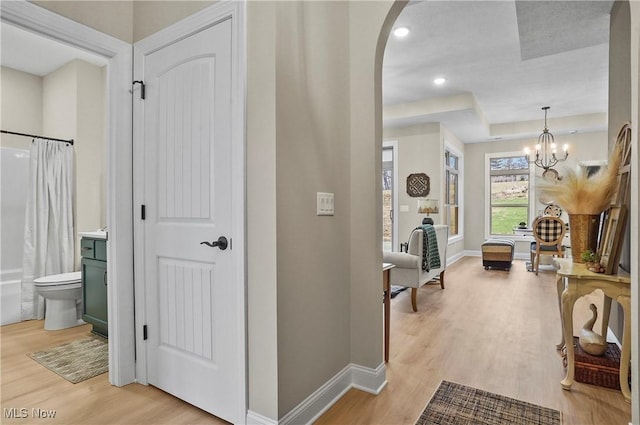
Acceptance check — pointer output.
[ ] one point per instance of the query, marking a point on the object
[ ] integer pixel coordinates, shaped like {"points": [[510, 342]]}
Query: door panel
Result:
{"points": [[192, 346]]}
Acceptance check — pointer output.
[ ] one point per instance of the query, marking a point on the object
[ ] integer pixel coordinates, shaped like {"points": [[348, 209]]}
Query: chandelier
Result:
{"points": [[546, 148]]}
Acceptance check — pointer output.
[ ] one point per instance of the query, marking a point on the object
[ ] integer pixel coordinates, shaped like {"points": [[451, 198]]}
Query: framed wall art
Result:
{"points": [[418, 185]]}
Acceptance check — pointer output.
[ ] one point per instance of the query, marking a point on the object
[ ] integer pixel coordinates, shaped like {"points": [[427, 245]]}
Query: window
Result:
{"points": [[452, 192], [509, 193]]}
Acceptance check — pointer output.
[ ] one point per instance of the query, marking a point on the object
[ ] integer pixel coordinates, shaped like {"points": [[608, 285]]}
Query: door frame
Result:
{"points": [[43, 22], [205, 18], [393, 144]]}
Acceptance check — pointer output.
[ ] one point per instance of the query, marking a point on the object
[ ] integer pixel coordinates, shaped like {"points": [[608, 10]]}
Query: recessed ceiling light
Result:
{"points": [[439, 81], [401, 32]]}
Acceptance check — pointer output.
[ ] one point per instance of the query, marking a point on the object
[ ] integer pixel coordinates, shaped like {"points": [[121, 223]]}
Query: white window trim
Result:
{"points": [[393, 144], [487, 196], [451, 148]]}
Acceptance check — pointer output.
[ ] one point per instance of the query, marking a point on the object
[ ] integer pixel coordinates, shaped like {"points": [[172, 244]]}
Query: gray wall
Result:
{"points": [[619, 113], [312, 156], [21, 106]]}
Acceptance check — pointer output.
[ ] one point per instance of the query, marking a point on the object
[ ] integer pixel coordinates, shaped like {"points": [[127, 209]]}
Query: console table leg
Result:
{"points": [[625, 357], [560, 289], [568, 299]]}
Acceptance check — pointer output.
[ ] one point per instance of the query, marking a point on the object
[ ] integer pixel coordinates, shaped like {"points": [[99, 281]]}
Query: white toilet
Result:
{"points": [[62, 292]]}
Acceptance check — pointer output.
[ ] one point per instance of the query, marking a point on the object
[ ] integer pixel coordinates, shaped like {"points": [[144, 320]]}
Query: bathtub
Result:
{"points": [[10, 296], [14, 182]]}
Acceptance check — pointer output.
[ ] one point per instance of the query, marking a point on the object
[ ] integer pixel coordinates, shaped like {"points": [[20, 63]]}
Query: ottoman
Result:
{"points": [[497, 254]]}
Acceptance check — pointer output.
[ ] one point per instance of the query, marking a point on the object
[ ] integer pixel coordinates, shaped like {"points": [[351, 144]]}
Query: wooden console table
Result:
{"points": [[386, 292], [579, 282]]}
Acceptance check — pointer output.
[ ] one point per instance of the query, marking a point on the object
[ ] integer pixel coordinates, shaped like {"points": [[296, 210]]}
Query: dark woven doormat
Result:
{"points": [[455, 404]]}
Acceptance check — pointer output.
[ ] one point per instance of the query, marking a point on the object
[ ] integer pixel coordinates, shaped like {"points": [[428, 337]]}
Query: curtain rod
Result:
{"points": [[70, 141]]}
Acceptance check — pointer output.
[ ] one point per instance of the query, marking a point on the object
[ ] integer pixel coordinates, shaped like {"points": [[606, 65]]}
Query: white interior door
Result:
{"points": [[191, 293]]}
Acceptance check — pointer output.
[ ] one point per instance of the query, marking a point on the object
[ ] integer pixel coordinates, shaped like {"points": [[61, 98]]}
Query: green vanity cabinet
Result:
{"points": [[94, 283]]}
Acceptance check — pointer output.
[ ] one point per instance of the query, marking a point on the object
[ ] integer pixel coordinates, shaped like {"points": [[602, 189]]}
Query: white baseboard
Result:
{"points": [[369, 380], [254, 418], [352, 376], [454, 258]]}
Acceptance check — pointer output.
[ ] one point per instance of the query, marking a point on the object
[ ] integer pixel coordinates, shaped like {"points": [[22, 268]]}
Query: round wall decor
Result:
{"points": [[418, 185]]}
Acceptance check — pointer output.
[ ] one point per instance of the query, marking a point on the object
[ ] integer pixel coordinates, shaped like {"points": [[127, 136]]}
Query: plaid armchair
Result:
{"points": [[548, 233]]}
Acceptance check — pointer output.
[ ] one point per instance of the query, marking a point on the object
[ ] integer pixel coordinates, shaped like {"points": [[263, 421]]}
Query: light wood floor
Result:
{"points": [[28, 385], [492, 330], [488, 329]]}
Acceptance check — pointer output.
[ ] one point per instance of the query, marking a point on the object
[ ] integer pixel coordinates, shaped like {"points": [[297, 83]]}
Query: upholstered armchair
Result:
{"points": [[408, 269]]}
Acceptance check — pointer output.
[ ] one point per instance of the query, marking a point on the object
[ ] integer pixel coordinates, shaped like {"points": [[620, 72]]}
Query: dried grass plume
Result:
{"points": [[577, 193]]}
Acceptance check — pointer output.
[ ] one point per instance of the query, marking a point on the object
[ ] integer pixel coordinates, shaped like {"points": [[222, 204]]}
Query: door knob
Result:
{"points": [[221, 243]]}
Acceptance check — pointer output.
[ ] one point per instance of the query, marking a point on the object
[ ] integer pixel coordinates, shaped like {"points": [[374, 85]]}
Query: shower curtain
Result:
{"points": [[48, 232]]}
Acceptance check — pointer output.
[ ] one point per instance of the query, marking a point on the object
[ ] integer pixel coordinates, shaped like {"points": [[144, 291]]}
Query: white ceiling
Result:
{"points": [[503, 61], [38, 55]]}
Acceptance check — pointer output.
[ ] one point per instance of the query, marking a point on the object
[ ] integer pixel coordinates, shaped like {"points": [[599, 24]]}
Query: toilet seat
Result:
{"points": [[58, 279]]}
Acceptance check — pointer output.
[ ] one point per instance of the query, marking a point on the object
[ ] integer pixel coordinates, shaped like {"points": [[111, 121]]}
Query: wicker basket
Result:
{"points": [[603, 371]]}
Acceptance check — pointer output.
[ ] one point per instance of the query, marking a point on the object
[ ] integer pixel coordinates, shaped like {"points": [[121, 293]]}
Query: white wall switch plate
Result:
{"points": [[404, 208], [325, 203]]}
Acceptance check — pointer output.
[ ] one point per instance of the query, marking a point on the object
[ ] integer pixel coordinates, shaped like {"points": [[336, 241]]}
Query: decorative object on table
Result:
{"points": [[458, 404], [418, 185], [522, 225], [546, 152], [591, 261], [615, 219], [584, 199], [590, 341], [553, 210], [615, 222], [427, 206]]}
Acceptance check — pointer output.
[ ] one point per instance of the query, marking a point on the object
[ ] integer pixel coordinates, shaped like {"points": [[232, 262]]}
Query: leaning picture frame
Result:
{"points": [[612, 238]]}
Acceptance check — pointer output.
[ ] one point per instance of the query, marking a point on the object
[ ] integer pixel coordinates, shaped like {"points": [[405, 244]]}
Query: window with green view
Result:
{"points": [[451, 190], [509, 193]]}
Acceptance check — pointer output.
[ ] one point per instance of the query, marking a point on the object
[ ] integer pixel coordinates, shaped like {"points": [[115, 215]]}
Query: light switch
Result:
{"points": [[404, 208], [325, 203]]}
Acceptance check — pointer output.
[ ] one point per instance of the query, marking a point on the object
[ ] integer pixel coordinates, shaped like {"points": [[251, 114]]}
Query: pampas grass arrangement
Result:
{"points": [[577, 193]]}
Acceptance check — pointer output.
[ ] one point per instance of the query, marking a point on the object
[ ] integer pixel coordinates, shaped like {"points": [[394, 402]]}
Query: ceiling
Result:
{"points": [[36, 54], [503, 61]]}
